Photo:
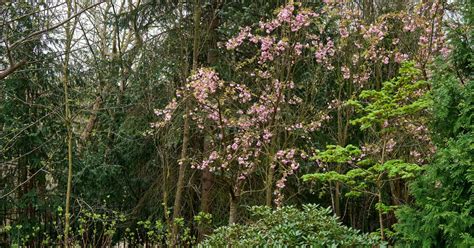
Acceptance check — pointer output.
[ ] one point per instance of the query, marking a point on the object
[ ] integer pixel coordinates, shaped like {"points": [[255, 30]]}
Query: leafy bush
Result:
{"points": [[289, 227], [442, 215]]}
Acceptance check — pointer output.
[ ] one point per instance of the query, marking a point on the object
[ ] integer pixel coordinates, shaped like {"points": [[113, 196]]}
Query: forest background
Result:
{"points": [[242, 123]]}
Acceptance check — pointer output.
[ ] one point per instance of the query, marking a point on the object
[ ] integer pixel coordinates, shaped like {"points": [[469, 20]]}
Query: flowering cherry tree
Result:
{"points": [[252, 119]]}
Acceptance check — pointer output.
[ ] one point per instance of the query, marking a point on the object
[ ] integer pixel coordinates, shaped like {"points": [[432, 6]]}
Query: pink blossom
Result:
{"points": [[214, 115], [346, 73], [302, 19], [390, 145], [270, 26], [409, 26], [355, 59], [285, 13], [166, 113], [423, 40], [204, 82], [323, 51], [267, 135], [445, 51], [213, 155], [235, 146], [298, 48], [281, 46], [399, 57], [343, 32], [281, 183], [265, 48], [260, 112], [237, 41]]}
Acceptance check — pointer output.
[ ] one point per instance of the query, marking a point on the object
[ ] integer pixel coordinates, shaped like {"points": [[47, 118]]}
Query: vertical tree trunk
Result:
{"points": [[379, 195], [181, 173], [68, 121], [206, 188], [206, 182], [269, 189], [233, 207], [337, 201], [165, 183], [92, 119], [233, 211], [341, 140], [206, 176], [234, 199], [186, 126]]}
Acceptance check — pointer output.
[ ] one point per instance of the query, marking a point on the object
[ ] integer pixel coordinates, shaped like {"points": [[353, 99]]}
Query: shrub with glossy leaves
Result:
{"points": [[312, 226]]}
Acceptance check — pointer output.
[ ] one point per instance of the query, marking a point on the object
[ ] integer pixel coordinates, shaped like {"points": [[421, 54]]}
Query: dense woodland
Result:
{"points": [[214, 123]]}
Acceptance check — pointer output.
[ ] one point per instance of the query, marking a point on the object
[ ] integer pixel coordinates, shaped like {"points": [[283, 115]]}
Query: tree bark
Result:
{"points": [[233, 210], [269, 189], [186, 126], [11, 69], [207, 178], [68, 121], [92, 119], [233, 206]]}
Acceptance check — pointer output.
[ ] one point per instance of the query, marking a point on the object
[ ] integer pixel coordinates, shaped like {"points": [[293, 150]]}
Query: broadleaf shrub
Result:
{"points": [[289, 226]]}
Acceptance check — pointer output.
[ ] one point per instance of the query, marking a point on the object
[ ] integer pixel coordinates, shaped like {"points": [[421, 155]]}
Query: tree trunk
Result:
{"points": [[92, 119], [337, 202], [233, 212], [382, 234], [181, 173], [269, 187], [206, 189], [206, 176], [166, 175], [341, 140], [68, 121], [186, 126]]}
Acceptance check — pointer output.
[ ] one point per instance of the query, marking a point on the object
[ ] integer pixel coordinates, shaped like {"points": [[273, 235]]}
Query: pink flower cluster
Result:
{"points": [[239, 39], [376, 32], [269, 47], [266, 49], [343, 32], [261, 112], [166, 113], [239, 92], [390, 145], [287, 16], [203, 83], [346, 73], [323, 52], [409, 25], [302, 19], [206, 163], [287, 160], [298, 48]]}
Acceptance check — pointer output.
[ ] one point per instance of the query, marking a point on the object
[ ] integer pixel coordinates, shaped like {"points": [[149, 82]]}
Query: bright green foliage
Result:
{"points": [[442, 215], [398, 97], [380, 163], [360, 180], [338, 154], [397, 167], [289, 227]]}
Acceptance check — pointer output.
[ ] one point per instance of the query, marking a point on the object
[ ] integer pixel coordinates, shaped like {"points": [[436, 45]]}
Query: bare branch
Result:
{"points": [[53, 27], [11, 69]]}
